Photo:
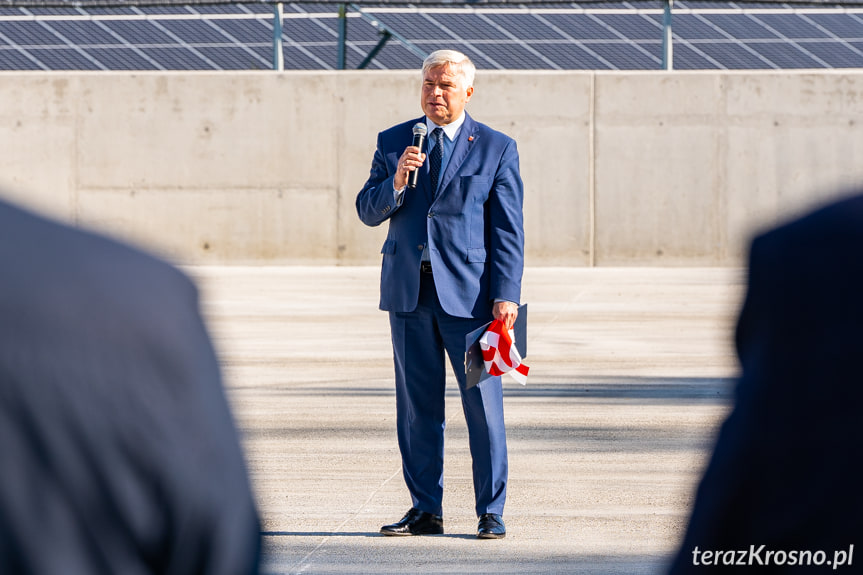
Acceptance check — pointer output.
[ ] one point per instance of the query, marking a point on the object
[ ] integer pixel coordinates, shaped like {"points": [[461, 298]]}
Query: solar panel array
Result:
{"points": [[615, 36]]}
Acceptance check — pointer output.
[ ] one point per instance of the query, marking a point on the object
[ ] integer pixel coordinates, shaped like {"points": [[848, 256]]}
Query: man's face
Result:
{"points": [[444, 94]]}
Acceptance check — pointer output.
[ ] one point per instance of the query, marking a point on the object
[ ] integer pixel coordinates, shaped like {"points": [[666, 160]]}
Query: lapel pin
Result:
{"points": [[470, 138]]}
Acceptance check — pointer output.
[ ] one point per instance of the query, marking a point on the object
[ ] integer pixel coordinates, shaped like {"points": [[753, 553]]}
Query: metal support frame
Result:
{"points": [[343, 36], [278, 54], [385, 33], [385, 36], [382, 28], [667, 44]]}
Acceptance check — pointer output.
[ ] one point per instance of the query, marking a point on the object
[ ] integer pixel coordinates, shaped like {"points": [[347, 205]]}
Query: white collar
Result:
{"points": [[451, 129]]}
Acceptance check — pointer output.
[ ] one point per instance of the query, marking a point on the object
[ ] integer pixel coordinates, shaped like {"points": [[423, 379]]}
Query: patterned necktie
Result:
{"points": [[436, 158]]}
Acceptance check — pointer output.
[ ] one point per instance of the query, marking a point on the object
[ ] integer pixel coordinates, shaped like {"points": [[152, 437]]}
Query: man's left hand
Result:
{"points": [[505, 311]]}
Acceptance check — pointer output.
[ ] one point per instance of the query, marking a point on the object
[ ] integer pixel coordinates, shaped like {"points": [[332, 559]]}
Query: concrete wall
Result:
{"points": [[619, 168]]}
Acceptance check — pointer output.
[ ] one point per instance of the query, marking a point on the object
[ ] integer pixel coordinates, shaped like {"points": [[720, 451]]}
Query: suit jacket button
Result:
{"points": [[420, 247], [431, 214]]}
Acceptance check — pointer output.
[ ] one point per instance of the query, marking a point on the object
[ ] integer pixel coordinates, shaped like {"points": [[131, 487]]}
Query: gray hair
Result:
{"points": [[460, 63]]}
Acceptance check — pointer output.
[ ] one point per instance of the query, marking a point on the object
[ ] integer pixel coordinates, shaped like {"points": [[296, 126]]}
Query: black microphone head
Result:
{"points": [[420, 132]]}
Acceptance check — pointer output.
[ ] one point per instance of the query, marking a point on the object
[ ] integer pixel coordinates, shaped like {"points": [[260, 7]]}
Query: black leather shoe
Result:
{"points": [[416, 522], [491, 526]]}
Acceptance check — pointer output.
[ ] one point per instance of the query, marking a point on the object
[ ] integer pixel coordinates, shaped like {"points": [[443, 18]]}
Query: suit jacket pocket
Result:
{"points": [[476, 188], [389, 247], [475, 255]]}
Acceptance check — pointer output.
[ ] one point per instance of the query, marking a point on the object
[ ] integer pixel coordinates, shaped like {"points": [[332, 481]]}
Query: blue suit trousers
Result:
{"points": [[420, 340]]}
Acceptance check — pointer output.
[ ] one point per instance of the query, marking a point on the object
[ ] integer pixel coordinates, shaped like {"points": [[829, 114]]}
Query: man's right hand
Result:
{"points": [[411, 159]]}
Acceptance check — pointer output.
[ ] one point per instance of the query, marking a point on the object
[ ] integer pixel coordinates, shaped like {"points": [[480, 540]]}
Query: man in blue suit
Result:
{"points": [[452, 261]]}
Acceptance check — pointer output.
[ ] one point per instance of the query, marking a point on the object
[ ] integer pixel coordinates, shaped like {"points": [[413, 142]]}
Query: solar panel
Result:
{"points": [[519, 54], [327, 55], [736, 56], [49, 11], [611, 35], [740, 26], [628, 56], [83, 32], [231, 57], [694, 27], [176, 10], [197, 30], [414, 26], [57, 58], [12, 59], [836, 55], [299, 59], [530, 28], [465, 26], [246, 30], [789, 59], [581, 27], [358, 30], [220, 9], [308, 31], [121, 58], [114, 11], [840, 25], [632, 28], [587, 59], [691, 57], [793, 27], [396, 54], [176, 58], [140, 32], [26, 33]]}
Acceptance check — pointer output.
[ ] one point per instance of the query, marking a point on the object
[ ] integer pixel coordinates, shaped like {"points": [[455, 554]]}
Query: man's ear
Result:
{"points": [[469, 93]]}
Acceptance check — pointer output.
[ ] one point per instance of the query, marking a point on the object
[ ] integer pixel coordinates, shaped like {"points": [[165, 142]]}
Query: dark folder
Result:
{"points": [[474, 366]]}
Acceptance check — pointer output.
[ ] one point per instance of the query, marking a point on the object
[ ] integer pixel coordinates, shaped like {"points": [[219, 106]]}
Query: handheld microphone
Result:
{"points": [[420, 132]]}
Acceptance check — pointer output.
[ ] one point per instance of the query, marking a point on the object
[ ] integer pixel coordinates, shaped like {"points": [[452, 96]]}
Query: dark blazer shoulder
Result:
{"points": [[76, 267], [831, 223]]}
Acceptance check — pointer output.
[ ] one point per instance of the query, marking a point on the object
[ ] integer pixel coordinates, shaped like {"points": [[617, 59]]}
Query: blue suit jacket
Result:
{"points": [[473, 226]]}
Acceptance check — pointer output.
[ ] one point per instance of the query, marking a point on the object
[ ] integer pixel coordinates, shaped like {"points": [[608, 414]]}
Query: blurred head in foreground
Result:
{"points": [[782, 490], [117, 448]]}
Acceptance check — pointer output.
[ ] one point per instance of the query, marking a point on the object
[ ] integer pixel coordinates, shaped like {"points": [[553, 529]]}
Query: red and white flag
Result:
{"points": [[499, 352]]}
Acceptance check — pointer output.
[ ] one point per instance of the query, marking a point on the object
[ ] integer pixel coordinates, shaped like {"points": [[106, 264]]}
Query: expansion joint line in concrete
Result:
{"points": [[305, 563]]}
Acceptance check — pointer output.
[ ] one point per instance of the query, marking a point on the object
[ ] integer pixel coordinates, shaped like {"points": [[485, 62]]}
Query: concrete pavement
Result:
{"points": [[631, 371]]}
